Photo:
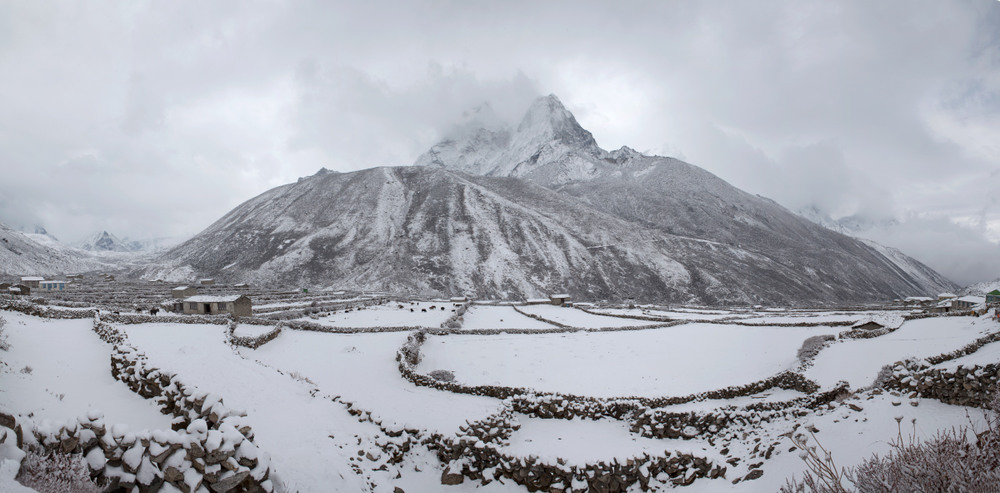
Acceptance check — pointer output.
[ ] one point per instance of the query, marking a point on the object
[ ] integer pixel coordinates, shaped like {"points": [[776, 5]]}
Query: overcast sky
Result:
{"points": [[155, 118]]}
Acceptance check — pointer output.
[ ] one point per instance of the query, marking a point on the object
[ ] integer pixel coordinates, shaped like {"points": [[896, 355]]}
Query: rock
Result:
{"points": [[397, 489], [855, 407], [754, 474], [230, 483], [451, 478]]}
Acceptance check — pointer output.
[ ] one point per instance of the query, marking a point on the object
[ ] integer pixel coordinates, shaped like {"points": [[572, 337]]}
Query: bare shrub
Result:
{"points": [[822, 474], [27, 370], [55, 472], [812, 346], [442, 375], [883, 378], [949, 461], [4, 345]]}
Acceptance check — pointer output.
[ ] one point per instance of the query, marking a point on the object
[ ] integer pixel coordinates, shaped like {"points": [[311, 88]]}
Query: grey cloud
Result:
{"points": [[883, 109]]}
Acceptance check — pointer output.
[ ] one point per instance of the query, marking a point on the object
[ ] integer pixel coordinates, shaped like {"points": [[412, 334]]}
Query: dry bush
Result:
{"points": [[812, 346], [55, 472], [949, 461], [4, 345], [442, 375]]}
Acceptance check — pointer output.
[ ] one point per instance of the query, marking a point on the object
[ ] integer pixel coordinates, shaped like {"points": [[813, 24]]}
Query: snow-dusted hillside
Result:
{"points": [[40, 254], [981, 288]]}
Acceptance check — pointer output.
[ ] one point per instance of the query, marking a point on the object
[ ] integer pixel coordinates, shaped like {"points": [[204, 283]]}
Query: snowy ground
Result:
{"points": [[59, 370], [669, 361], [392, 314], [499, 317], [573, 441], [858, 361], [673, 314], [574, 317], [288, 387], [252, 330]]}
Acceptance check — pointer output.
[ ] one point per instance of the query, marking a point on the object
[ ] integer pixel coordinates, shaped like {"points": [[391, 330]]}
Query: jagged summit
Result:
{"points": [[107, 242], [547, 146]]}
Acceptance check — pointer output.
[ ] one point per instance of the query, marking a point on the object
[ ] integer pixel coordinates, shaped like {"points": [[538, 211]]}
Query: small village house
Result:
{"points": [[943, 306], [967, 302], [206, 282], [559, 299], [183, 291], [947, 296], [237, 305], [74, 276], [52, 285], [867, 325], [19, 290], [993, 297], [31, 281]]}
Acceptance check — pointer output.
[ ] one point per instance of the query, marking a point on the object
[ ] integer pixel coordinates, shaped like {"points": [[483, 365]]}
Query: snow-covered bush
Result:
{"points": [[55, 472], [4, 345], [442, 375], [812, 346], [950, 461]]}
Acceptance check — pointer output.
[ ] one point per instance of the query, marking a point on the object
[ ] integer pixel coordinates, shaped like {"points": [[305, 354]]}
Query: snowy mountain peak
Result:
{"points": [[547, 120], [106, 242], [548, 146]]}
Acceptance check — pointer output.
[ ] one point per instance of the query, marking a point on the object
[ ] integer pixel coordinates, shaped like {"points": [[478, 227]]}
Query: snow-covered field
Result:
{"points": [[59, 370], [499, 317], [574, 317], [294, 388], [669, 361], [392, 314], [858, 361], [673, 314]]}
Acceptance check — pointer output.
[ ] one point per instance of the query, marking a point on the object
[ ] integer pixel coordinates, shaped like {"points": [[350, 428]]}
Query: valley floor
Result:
{"points": [[337, 407]]}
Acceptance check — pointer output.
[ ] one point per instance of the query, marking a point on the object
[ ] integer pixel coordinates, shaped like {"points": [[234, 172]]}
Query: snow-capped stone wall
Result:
{"points": [[972, 386]]}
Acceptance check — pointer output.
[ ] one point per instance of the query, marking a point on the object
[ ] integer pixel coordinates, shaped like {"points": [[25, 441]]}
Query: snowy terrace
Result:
{"points": [[859, 361], [294, 387], [59, 370], [574, 317], [661, 362], [429, 314]]}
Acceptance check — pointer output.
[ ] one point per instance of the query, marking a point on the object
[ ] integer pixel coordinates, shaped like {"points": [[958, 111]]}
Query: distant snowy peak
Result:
{"points": [[106, 242], [548, 146]]}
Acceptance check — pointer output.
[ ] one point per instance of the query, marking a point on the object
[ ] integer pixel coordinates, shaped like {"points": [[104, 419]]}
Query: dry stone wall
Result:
{"points": [[972, 386], [478, 452], [251, 342]]}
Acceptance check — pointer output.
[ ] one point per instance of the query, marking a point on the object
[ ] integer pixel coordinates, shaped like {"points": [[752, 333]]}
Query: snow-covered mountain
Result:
{"points": [[981, 288], [41, 254], [548, 147], [514, 212], [106, 242]]}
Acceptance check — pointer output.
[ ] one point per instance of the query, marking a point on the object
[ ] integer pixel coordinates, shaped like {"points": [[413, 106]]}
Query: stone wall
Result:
{"points": [[477, 452], [251, 342], [974, 386], [28, 308]]}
